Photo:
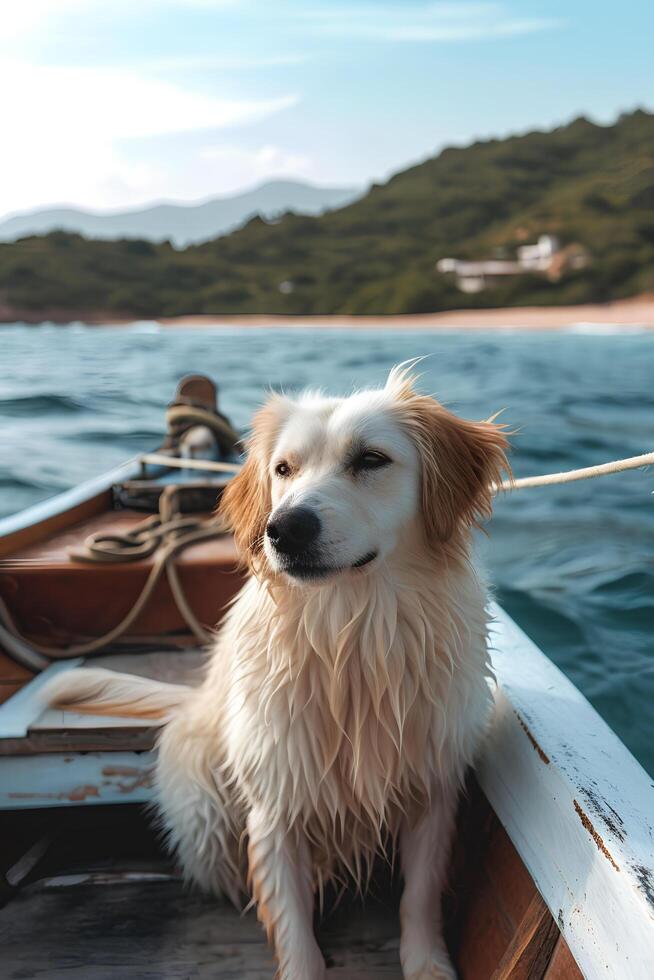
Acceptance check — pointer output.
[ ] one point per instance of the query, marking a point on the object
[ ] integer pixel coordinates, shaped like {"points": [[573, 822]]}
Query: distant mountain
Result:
{"points": [[182, 224], [591, 186]]}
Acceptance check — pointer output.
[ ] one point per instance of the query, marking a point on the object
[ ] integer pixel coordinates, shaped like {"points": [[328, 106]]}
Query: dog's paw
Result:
{"points": [[437, 967]]}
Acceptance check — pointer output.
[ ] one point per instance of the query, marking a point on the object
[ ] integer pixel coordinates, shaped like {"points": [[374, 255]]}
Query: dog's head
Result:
{"points": [[332, 485]]}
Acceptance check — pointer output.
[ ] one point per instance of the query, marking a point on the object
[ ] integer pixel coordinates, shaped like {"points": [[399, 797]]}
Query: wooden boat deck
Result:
{"points": [[92, 895]]}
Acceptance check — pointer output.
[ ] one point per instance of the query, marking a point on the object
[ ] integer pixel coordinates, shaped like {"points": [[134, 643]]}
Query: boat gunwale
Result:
{"points": [[576, 804], [63, 509]]}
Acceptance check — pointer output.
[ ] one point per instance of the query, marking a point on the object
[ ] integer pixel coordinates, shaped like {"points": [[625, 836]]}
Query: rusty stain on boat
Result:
{"points": [[76, 795], [601, 846], [543, 757], [139, 778]]}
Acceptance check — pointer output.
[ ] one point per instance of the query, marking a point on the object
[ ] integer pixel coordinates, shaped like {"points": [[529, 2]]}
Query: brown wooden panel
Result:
{"points": [[11, 543], [11, 671], [7, 689], [509, 878], [59, 602], [562, 965], [529, 953], [491, 897]]}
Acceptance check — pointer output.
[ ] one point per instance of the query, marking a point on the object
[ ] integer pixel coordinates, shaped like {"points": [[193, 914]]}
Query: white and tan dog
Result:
{"points": [[347, 691]]}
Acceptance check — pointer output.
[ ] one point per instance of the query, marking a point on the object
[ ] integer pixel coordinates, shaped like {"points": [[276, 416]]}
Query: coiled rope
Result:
{"points": [[169, 533], [164, 536]]}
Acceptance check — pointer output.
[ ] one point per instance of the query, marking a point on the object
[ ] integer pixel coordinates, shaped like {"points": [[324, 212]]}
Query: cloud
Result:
{"points": [[116, 103], [224, 62], [239, 166], [66, 137], [435, 23], [19, 20]]}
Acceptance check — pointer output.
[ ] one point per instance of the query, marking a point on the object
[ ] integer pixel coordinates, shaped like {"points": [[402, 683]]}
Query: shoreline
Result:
{"points": [[634, 313]]}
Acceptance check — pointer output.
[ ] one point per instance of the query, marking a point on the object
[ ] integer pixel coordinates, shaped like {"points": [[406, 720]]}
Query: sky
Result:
{"points": [[111, 105]]}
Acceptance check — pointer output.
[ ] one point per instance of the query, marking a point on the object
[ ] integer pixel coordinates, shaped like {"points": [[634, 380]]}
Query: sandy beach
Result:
{"points": [[636, 312]]}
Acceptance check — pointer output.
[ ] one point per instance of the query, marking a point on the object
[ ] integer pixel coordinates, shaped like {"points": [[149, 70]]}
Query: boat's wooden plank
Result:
{"points": [[17, 714], [530, 950], [53, 551], [27, 728], [12, 671], [68, 508], [69, 741], [509, 880], [8, 688], [53, 730], [490, 889], [29, 534], [160, 930], [58, 601], [173, 667], [562, 965], [577, 806], [84, 777], [56, 720], [109, 846]]}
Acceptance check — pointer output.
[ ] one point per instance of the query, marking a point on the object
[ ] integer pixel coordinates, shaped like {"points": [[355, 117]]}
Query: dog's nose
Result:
{"points": [[292, 531]]}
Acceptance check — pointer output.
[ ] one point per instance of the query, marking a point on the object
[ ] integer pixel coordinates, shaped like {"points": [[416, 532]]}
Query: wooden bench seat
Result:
{"points": [[48, 730]]}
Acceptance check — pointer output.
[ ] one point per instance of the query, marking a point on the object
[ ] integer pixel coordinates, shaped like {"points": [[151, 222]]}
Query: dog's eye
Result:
{"points": [[371, 459], [282, 469]]}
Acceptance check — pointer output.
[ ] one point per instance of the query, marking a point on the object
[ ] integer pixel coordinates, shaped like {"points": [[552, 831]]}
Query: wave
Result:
{"points": [[21, 483], [127, 437], [27, 406], [606, 329]]}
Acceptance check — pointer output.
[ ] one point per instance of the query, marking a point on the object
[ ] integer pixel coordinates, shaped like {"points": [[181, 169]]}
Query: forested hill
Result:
{"points": [[590, 185]]}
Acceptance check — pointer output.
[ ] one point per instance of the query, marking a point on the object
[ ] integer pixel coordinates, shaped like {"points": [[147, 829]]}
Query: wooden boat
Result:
{"points": [[553, 870]]}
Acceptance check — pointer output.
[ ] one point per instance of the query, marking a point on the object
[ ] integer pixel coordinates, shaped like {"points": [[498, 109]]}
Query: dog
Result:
{"points": [[348, 689]]}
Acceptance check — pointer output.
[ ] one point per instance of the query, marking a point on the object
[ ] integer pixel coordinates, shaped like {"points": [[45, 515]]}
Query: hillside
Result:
{"points": [[588, 184], [182, 224]]}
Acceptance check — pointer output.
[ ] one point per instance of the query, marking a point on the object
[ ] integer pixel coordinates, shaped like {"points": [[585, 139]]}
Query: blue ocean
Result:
{"points": [[574, 564]]}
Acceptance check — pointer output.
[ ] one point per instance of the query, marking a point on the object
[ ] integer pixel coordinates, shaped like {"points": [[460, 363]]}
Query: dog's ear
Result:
{"points": [[245, 502], [460, 460]]}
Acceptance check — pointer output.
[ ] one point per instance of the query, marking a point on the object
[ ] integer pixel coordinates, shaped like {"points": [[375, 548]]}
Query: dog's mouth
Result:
{"points": [[297, 568]]}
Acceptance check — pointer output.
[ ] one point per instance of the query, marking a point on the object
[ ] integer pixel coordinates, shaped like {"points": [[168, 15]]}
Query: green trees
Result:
{"points": [[590, 185]]}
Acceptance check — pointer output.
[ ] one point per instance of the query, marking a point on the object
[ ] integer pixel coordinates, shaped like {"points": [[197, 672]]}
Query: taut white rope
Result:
{"points": [[586, 473]]}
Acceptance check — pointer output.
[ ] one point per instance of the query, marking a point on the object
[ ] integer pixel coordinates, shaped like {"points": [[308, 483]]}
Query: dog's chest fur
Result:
{"points": [[346, 705]]}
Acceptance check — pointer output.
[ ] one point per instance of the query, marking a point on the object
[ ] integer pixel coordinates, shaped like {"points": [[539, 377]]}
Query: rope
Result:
{"points": [[166, 535], [571, 476], [185, 413], [210, 465], [523, 483]]}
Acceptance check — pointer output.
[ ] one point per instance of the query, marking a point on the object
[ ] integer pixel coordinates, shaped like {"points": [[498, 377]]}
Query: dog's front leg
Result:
{"points": [[281, 881], [424, 851]]}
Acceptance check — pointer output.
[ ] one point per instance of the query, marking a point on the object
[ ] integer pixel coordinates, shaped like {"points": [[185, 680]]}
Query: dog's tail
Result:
{"points": [[96, 691]]}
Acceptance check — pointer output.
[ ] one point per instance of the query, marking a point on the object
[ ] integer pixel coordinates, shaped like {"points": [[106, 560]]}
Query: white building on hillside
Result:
{"points": [[475, 276]]}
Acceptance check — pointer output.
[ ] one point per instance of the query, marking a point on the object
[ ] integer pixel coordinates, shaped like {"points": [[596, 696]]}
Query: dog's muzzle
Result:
{"points": [[293, 531]]}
